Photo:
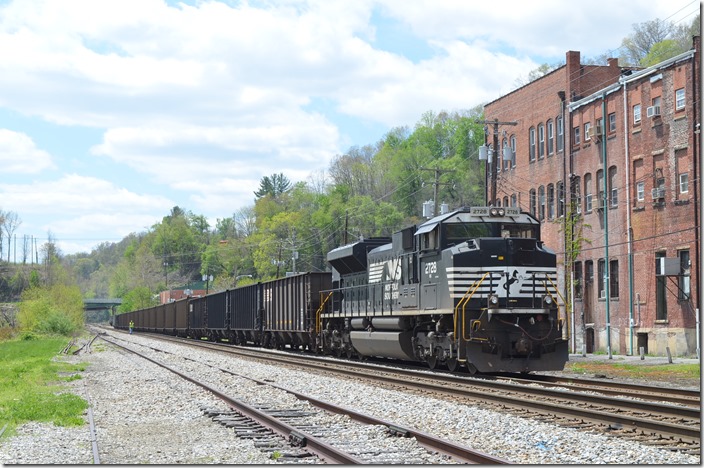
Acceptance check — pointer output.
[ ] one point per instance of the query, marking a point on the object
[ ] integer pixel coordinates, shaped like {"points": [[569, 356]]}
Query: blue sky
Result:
{"points": [[111, 113]]}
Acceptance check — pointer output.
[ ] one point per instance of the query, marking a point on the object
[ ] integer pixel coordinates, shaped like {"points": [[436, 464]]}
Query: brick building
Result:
{"points": [[608, 158]]}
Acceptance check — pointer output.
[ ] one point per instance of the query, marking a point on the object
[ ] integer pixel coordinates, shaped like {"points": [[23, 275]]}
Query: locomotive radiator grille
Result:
{"points": [[517, 282]]}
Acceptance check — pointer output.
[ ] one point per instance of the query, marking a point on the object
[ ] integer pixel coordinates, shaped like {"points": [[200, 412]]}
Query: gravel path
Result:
{"points": [[144, 414]]}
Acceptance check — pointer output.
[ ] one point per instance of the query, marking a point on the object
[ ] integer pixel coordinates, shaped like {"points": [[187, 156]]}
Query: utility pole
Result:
{"points": [[494, 162], [436, 184]]}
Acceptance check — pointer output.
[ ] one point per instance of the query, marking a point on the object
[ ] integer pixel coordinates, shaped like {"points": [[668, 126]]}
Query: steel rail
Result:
{"points": [[599, 416], [324, 451], [431, 442]]}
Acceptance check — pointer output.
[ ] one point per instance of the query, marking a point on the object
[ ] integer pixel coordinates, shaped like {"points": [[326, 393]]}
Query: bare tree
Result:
{"points": [[245, 220], [10, 224]]}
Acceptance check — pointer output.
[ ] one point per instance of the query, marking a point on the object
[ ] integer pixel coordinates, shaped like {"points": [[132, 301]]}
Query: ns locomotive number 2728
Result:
{"points": [[474, 288]]}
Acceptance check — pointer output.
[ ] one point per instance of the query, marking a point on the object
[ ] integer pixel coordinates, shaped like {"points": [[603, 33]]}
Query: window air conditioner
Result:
{"points": [[653, 111], [602, 294], [658, 193]]}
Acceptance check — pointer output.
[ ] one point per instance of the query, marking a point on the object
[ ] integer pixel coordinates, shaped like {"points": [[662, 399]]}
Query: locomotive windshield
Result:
{"points": [[456, 233]]}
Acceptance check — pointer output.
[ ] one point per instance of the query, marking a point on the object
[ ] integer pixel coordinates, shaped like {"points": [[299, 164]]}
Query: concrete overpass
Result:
{"points": [[97, 305]]}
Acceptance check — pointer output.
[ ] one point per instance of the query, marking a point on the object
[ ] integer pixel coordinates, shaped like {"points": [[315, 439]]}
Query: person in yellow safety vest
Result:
{"points": [[131, 326]]}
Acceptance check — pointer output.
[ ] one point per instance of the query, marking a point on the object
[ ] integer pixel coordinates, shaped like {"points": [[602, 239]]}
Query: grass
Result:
{"points": [[658, 372], [28, 384]]}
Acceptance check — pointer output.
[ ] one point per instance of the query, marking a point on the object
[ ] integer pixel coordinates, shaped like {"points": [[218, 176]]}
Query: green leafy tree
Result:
{"points": [[660, 52]]}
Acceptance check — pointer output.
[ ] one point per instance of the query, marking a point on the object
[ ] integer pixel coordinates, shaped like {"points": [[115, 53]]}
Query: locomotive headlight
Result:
{"points": [[497, 212], [493, 300]]}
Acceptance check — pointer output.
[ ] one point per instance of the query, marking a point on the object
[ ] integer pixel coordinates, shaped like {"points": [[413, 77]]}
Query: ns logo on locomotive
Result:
{"points": [[474, 288]]}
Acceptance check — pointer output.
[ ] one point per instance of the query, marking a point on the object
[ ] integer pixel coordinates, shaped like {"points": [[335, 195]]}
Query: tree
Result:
{"points": [[10, 224], [273, 185], [660, 52], [645, 35]]}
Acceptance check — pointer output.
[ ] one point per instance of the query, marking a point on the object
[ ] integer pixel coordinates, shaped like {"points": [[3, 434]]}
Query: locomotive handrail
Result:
{"points": [[320, 310], [564, 302], [464, 300]]}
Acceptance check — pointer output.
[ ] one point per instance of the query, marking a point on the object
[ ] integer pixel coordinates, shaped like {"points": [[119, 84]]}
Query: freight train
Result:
{"points": [[472, 289]]}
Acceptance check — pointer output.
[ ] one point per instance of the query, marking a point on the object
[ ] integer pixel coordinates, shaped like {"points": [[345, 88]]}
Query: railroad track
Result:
{"points": [[650, 418], [271, 423]]}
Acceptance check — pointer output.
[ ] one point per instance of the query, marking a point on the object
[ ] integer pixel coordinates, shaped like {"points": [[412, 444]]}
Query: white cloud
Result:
{"points": [[75, 194], [19, 154]]}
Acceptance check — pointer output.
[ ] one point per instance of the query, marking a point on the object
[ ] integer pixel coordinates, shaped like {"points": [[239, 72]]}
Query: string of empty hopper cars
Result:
{"points": [[474, 288]]}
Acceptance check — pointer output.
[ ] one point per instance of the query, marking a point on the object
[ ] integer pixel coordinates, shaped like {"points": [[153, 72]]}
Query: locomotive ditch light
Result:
{"points": [[493, 300], [547, 300]]}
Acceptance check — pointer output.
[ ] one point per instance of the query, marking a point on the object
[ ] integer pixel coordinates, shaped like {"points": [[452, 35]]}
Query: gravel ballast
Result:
{"points": [[145, 414]]}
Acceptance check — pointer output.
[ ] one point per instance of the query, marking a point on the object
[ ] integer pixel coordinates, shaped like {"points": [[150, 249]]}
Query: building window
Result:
{"points": [[560, 199], [533, 201], [660, 290], [640, 191], [636, 114], [513, 200], [541, 201], [679, 99], [613, 188], [612, 122], [551, 201], [506, 201], [513, 151], [587, 193], [683, 279], [560, 134], [541, 141], [599, 124], [613, 279], [577, 194], [577, 269], [587, 133], [601, 278], [576, 136], [531, 135], [684, 182], [588, 288], [551, 138], [600, 189]]}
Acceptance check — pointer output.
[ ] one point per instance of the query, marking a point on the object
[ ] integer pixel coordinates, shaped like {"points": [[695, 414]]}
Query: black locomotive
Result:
{"points": [[473, 288]]}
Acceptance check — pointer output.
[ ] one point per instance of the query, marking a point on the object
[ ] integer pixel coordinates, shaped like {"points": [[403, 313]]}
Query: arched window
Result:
{"points": [[531, 140], [541, 203], [588, 206], [560, 134], [560, 199], [551, 201], [576, 197], [541, 141], [551, 137], [613, 187], [513, 149], [533, 202]]}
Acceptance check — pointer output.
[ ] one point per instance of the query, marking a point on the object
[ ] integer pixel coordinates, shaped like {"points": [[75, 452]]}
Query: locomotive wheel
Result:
{"points": [[432, 362], [471, 369], [453, 364], [350, 353]]}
